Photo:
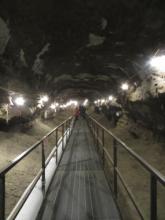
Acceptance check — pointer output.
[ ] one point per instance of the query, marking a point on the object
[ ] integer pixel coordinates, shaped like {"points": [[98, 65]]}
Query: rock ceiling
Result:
{"points": [[77, 47]]}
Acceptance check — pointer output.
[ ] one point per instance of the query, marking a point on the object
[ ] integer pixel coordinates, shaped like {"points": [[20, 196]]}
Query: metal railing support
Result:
{"points": [[63, 137], [153, 198], [69, 127], [43, 165], [2, 197], [103, 153], [41, 145], [115, 166], [66, 131], [94, 127], [155, 175], [56, 146], [97, 135]]}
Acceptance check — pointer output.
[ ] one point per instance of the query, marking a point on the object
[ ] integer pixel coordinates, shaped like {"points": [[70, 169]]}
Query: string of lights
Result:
{"points": [[15, 98], [111, 98]]}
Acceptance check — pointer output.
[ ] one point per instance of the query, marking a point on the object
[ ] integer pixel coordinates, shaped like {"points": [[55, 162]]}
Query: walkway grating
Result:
{"points": [[79, 190]]}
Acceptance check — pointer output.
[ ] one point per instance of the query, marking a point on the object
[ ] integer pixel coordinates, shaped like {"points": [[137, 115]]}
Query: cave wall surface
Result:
{"points": [[85, 47]]}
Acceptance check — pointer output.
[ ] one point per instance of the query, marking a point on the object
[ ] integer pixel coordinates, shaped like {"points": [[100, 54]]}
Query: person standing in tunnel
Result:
{"points": [[77, 113]]}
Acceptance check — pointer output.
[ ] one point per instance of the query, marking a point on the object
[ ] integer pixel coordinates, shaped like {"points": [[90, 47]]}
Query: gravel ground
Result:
{"points": [[15, 142], [136, 177]]}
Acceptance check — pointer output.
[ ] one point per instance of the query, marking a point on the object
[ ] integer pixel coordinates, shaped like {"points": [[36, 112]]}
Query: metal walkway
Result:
{"points": [[79, 190]]}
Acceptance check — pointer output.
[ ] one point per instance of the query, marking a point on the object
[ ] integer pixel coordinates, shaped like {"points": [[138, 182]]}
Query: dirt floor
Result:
{"points": [[142, 142], [15, 142]]}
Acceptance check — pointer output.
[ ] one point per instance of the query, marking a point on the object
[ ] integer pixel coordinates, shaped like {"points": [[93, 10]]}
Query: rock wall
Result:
{"points": [[4, 35], [151, 86], [149, 113]]}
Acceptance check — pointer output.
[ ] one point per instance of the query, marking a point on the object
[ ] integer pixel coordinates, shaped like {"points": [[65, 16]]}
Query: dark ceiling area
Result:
{"points": [[82, 48]]}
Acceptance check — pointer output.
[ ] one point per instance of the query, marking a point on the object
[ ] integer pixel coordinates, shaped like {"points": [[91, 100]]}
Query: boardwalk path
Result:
{"points": [[79, 190]]}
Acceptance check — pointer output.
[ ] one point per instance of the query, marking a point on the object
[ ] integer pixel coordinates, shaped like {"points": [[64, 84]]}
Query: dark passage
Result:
{"points": [[79, 190]]}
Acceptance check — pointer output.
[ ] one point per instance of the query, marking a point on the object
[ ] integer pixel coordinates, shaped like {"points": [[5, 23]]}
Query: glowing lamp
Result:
{"points": [[110, 98], [53, 106], [85, 102], [158, 63], [45, 98], [124, 86], [102, 101], [20, 101]]}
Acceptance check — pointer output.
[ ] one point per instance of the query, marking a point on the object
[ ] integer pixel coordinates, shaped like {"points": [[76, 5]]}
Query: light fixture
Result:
{"points": [[102, 101], [20, 101], [110, 98], [63, 106], [124, 86], [42, 100], [85, 102], [72, 102], [45, 98], [53, 106], [158, 63]]}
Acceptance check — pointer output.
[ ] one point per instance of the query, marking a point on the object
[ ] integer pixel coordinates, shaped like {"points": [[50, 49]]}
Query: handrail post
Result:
{"points": [[70, 126], [56, 145], [62, 136], [66, 133], [153, 198], [2, 197], [103, 141], [97, 138], [94, 126], [43, 166], [115, 166]]}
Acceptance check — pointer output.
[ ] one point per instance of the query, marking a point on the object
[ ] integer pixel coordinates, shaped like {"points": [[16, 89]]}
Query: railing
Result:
{"points": [[65, 130], [99, 133]]}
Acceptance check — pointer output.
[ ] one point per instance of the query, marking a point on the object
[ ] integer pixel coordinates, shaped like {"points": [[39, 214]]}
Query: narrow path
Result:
{"points": [[79, 190]]}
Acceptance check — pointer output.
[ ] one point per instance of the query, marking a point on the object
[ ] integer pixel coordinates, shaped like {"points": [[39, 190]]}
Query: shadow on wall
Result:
{"points": [[113, 113], [17, 122], [148, 113]]}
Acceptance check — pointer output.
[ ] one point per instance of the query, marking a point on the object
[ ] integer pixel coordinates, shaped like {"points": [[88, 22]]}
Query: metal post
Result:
{"points": [[69, 127], [56, 145], [2, 197], [43, 166], [57, 137], [103, 156], [94, 128], [62, 136], [66, 131], [97, 136], [153, 198], [115, 166]]}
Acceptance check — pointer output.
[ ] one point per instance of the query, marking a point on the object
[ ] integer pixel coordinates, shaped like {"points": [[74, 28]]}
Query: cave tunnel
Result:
{"points": [[82, 109]]}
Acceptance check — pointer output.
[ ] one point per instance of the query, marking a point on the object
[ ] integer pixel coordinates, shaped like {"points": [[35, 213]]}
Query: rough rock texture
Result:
{"points": [[4, 35], [90, 46]]}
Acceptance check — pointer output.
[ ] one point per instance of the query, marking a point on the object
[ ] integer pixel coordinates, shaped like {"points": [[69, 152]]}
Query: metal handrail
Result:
{"points": [[155, 175], [41, 143]]}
